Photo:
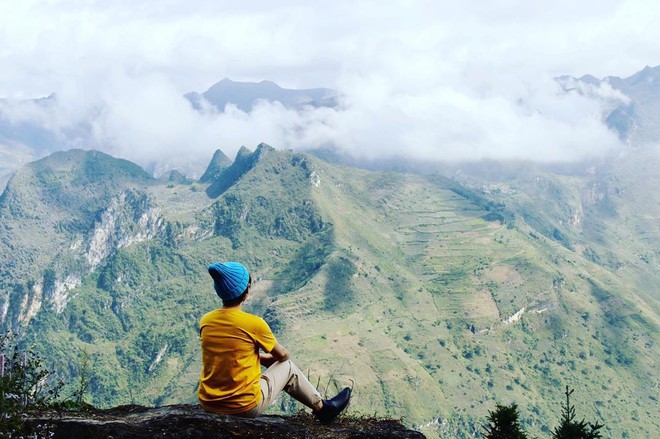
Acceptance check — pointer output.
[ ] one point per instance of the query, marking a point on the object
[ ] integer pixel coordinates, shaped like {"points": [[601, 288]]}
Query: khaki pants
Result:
{"points": [[283, 376]]}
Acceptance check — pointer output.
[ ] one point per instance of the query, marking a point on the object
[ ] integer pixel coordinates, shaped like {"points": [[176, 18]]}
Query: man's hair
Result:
{"points": [[238, 300]]}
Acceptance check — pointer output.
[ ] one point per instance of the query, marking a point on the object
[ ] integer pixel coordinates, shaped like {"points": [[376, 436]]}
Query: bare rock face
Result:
{"points": [[188, 421], [130, 217]]}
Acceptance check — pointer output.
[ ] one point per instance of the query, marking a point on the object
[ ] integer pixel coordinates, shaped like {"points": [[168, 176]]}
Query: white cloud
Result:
{"points": [[432, 79]]}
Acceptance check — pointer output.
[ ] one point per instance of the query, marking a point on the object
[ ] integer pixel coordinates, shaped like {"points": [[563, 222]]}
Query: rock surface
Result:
{"points": [[188, 421]]}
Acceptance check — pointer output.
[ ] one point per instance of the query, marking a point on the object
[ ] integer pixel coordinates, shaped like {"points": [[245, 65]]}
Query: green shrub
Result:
{"points": [[24, 384], [571, 429], [503, 423]]}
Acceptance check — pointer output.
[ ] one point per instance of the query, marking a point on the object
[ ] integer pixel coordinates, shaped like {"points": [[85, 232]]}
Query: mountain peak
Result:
{"points": [[263, 148], [243, 153], [88, 165], [245, 95], [590, 79], [648, 74], [68, 170], [244, 161], [218, 163]]}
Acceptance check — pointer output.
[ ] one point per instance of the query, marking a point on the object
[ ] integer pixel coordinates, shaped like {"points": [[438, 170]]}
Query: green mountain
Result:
{"points": [[437, 297], [50, 212], [219, 163]]}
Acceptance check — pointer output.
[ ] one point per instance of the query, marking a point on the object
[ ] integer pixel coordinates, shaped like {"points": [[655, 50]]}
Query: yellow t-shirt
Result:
{"points": [[231, 339]]}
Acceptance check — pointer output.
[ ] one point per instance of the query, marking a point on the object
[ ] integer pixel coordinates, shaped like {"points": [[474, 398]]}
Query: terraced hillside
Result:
{"points": [[460, 311], [435, 299]]}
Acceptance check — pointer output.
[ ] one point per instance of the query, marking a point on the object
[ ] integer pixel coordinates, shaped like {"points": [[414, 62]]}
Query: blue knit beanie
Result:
{"points": [[230, 279]]}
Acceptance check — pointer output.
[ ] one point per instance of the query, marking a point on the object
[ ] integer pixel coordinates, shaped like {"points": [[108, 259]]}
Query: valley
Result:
{"points": [[435, 296]]}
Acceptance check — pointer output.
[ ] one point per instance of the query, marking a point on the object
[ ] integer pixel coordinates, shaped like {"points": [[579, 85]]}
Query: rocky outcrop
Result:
{"points": [[62, 217], [218, 164], [245, 160], [130, 217], [187, 421]]}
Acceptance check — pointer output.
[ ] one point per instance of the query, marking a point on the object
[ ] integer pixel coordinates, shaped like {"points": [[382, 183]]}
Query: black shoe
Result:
{"points": [[334, 406]]}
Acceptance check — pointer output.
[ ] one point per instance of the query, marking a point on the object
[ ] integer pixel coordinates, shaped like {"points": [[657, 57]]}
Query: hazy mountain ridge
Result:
{"points": [[244, 95], [637, 103], [407, 284], [33, 128]]}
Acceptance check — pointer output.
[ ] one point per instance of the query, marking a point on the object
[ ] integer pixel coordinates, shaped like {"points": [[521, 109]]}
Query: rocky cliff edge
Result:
{"points": [[189, 421]]}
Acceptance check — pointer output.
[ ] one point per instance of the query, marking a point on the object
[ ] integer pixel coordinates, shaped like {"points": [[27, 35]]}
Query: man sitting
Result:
{"points": [[234, 346]]}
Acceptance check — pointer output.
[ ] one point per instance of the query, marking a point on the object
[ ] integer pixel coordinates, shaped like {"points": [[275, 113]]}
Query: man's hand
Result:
{"points": [[265, 359], [279, 353]]}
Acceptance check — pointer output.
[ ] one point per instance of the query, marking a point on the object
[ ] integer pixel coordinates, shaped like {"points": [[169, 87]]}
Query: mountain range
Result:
{"points": [[244, 95], [437, 292], [436, 297], [24, 138], [636, 105], [629, 103]]}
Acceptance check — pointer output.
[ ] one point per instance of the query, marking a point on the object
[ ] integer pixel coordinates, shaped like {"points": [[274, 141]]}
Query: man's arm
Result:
{"points": [[278, 353]]}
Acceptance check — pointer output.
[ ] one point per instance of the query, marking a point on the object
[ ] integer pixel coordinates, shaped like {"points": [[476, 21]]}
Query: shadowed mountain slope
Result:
{"points": [[218, 163]]}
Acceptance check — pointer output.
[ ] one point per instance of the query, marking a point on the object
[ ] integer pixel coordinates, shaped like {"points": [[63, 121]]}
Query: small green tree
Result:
{"points": [[76, 401], [83, 380], [503, 423], [571, 429], [24, 384]]}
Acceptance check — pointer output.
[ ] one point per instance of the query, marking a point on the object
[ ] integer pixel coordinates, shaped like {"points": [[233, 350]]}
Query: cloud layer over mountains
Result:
{"points": [[438, 80]]}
